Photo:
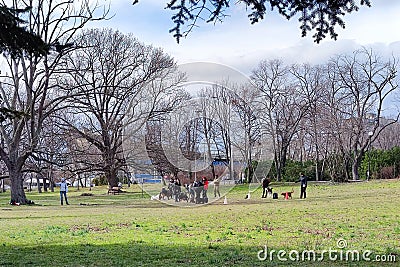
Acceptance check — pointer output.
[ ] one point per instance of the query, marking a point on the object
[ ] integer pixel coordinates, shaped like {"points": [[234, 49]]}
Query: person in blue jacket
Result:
{"points": [[63, 191]]}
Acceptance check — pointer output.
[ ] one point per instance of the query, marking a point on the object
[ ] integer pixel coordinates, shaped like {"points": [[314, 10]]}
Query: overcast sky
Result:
{"points": [[241, 45]]}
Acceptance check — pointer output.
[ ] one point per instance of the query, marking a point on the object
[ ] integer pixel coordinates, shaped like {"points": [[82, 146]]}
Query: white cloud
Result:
{"points": [[241, 45]]}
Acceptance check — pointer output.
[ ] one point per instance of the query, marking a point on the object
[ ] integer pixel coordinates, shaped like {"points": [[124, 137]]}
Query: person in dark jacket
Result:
{"points": [[303, 185], [198, 188], [177, 189], [265, 183]]}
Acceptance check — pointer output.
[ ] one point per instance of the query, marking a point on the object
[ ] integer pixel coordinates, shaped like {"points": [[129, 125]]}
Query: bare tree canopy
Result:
{"points": [[117, 82], [360, 84], [285, 102], [331, 111], [320, 16], [27, 85]]}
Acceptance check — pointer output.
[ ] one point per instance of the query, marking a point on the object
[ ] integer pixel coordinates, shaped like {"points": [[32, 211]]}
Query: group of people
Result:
{"points": [[197, 191], [302, 180]]}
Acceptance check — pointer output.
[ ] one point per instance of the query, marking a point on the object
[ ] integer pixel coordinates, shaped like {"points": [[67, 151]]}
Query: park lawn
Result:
{"points": [[131, 230]]}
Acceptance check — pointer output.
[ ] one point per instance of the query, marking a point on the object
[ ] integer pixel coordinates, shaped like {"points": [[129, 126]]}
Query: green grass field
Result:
{"points": [[131, 230]]}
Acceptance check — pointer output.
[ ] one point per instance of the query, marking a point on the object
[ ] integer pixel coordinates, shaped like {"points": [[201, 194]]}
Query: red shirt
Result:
{"points": [[206, 185]]}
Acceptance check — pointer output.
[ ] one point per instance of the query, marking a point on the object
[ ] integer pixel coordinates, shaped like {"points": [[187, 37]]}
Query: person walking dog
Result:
{"points": [[63, 191]]}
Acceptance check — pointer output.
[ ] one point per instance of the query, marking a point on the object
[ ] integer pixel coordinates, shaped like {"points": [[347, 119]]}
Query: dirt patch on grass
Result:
{"points": [[88, 228], [327, 233]]}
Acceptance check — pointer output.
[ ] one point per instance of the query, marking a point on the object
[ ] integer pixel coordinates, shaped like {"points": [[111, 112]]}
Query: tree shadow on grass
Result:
{"points": [[143, 254]]}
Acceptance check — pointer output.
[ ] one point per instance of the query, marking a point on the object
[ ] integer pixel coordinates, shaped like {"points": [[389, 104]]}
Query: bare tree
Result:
{"points": [[79, 156], [359, 85], [388, 138], [247, 132], [155, 150], [27, 84], [311, 81], [51, 153], [285, 104], [117, 82], [218, 105], [161, 135]]}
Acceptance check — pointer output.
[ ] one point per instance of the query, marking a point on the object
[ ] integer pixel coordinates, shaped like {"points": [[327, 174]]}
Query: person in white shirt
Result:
{"points": [[63, 191]]}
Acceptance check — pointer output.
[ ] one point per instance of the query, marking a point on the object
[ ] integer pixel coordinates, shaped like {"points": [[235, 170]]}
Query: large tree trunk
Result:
{"points": [[17, 187], [317, 170], [354, 168], [354, 171], [281, 162], [39, 187], [278, 168], [51, 179], [111, 175], [45, 188], [346, 167], [250, 172]]}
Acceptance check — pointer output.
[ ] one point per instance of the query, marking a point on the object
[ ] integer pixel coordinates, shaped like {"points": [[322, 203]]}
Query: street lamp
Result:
{"points": [[370, 134]]}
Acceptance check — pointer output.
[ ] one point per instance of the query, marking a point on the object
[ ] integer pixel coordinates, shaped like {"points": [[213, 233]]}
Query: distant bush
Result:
{"points": [[294, 168], [383, 164], [385, 173], [100, 181], [103, 180], [246, 170], [96, 182]]}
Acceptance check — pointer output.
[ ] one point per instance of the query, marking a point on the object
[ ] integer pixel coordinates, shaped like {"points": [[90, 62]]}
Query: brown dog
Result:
{"points": [[288, 194]]}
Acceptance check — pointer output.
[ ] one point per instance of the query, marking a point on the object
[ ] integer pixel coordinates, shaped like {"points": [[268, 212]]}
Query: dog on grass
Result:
{"points": [[269, 192], [289, 194], [165, 194], [183, 197]]}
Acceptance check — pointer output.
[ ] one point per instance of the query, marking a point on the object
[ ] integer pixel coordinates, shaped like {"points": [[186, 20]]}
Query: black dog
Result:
{"points": [[269, 191], [183, 197], [165, 193]]}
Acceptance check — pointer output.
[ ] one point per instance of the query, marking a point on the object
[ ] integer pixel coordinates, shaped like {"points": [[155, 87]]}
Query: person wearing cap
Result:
{"points": [[63, 191]]}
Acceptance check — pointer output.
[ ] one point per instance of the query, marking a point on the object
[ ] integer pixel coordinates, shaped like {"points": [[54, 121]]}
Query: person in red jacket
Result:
{"points": [[205, 187]]}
